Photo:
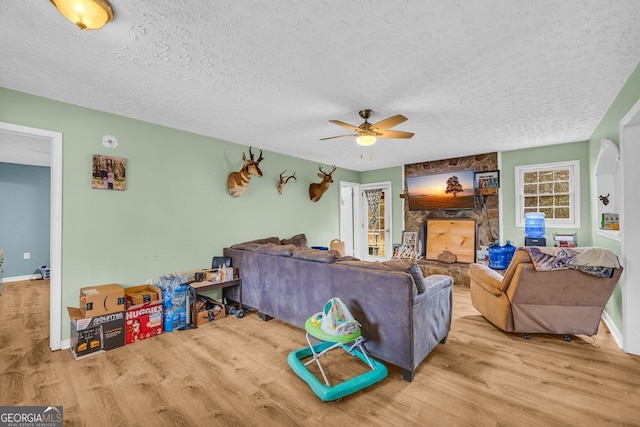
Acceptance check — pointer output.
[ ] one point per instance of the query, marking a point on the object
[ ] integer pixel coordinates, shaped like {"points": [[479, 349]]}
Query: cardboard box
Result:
{"points": [[143, 320], [142, 294], [208, 310], [93, 335], [103, 299]]}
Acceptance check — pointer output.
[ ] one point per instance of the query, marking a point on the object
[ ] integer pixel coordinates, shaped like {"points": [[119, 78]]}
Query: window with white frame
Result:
{"points": [[551, 188]]}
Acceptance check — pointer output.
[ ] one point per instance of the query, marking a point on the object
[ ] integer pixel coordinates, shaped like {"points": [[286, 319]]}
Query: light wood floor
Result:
{"points": [[234, 372]]}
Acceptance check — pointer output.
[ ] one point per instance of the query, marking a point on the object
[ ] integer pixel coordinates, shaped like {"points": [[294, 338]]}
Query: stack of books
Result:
{"points": [[565, 240]]}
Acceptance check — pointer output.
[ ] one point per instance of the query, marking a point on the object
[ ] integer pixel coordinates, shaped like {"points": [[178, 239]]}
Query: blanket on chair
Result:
{"points": [[596, 261]]}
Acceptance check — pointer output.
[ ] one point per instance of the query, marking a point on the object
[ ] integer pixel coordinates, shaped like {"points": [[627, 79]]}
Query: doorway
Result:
{"points": [[365, 220], [24, 133], [630, 233]]}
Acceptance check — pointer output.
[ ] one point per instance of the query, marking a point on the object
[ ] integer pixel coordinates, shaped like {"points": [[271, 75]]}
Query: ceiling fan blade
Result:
{"points": [[339, 136], [388, 123], [396, 134], [345, 125]]}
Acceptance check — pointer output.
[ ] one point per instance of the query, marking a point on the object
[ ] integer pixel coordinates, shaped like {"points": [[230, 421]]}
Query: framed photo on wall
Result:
{"points": [[108, 173], [487, 182]]}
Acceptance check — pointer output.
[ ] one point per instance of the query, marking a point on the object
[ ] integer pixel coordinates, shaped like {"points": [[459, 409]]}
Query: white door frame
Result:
{"points": [[55, 284], [630, 229], [351, 230]]}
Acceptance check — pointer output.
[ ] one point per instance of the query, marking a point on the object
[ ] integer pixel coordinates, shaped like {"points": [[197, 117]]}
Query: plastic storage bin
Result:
{"points": [[534, 225]]}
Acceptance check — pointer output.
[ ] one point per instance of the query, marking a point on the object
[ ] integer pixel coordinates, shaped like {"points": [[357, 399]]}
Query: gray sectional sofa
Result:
{"points": [[403, 315]]}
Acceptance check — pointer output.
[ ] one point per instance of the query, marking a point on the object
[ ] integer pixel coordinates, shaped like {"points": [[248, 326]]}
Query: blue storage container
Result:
{"points": [[496, 257], [534, 225], [507, 253]]}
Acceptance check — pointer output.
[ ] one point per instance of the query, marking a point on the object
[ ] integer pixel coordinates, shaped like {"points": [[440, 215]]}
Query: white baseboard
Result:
{"points": [[617, 336], [19, 278]]}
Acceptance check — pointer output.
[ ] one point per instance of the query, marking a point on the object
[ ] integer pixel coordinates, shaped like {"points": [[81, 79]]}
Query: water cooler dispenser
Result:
{"points": [[534, 229]]}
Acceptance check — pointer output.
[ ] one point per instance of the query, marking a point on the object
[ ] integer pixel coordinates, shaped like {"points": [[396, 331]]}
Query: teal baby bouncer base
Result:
{"points": [[325, 391]]}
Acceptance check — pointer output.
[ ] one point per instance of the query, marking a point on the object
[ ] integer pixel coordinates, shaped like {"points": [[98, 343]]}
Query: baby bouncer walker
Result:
{"points": [[335, 328]]}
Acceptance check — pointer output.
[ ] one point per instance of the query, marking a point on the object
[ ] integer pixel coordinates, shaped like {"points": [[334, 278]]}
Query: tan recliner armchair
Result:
{"points": [[526, 300]]}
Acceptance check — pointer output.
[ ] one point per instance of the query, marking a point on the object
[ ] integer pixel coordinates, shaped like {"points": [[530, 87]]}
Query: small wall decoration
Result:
{"points": [[487, 182], [108, 173]]}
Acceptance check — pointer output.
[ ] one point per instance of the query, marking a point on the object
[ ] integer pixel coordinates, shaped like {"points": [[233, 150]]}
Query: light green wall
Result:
{"points": [[547, 154], [175, 213], [609, 128], [394, 175]]}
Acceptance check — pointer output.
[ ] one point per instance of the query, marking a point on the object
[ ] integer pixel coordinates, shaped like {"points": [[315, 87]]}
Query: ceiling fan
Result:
{"points": [[367, 133]]}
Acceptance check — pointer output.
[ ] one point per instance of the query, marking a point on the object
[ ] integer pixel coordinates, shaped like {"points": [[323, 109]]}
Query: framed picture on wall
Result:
{"points": [[487, 182], [108, 173]]}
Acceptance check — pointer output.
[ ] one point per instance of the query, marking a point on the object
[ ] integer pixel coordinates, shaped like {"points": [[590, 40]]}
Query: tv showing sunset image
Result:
{"points": [[451, 190]]}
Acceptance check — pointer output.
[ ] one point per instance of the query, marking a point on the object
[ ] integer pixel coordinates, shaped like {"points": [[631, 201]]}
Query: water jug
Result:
{"points": [[534, 225], [507, 253], [496, 257]]}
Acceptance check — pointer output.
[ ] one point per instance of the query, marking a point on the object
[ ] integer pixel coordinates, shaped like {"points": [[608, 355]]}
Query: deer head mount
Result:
{"points": [[238, 182], [605, 199], [317, 189], [283, 181]]}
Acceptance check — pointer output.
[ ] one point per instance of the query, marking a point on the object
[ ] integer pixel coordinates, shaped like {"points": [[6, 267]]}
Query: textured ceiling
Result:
{"points": [[471, 76]]}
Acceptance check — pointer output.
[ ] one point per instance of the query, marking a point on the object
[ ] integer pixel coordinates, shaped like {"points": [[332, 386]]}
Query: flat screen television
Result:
{"points": [[451, 190]]}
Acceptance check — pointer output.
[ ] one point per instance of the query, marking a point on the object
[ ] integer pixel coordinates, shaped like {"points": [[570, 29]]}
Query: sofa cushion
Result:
{"points": [[273, 249], [297, 240], [274, 240], [251, 244], [376, 265], [316, 255]]}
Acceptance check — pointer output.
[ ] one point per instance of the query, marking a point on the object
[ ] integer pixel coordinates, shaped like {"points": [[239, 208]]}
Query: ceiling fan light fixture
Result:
{"points": [[365, 140], [86, 14]]}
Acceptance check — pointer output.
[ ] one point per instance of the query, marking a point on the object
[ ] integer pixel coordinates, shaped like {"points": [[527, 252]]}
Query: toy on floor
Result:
{"points": [[336, 328]]}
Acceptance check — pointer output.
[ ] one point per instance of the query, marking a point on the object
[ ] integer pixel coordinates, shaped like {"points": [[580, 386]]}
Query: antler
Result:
{"points": [[330, 173], [260, 158], [292, 176]]}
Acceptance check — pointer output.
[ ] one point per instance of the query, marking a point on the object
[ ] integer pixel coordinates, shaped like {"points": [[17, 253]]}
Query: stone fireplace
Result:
{"points": [[485, 214]]}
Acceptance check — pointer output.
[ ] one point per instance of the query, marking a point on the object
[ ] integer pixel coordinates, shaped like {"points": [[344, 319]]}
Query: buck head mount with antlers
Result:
{"points": [[238, 182], [317, 189], [283, 181]]}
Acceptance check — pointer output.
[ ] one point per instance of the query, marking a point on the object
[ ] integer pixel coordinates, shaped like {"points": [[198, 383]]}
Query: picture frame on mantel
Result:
{"points": [[410, 239], [487, 182]]}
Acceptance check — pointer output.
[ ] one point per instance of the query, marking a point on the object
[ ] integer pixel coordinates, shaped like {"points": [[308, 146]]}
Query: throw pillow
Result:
{"points": [[273, 249], [298, 240], [418, 278], [409, 267]]}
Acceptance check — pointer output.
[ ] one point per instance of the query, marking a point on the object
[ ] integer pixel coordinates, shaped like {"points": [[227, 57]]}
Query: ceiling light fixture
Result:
{"points": [[366, 139], [86, 14]]}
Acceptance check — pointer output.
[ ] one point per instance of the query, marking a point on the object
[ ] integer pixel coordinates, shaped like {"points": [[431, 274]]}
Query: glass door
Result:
{"points": [[376, 199]]}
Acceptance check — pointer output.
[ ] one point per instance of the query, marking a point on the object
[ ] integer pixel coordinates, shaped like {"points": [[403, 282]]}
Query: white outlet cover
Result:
{"points": [[109, 141]]}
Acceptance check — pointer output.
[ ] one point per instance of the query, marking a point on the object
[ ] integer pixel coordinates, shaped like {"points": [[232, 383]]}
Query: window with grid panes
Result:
{"points": [[551, 188]]}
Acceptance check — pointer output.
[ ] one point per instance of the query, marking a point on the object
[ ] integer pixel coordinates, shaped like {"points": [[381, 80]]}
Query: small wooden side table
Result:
{"points": [[210, 286]]}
